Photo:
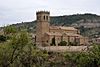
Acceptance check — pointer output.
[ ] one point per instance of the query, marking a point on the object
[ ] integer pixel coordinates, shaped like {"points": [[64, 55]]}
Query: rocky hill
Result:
{"points": [[88, 24]]}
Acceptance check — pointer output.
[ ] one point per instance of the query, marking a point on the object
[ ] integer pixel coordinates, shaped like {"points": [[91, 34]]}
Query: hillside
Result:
{"points": [[87, 23]]}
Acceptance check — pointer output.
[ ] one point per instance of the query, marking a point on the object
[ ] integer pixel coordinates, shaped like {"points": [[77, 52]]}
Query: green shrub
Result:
{"points": [[62, 43], [73, 43], [2, 38]]}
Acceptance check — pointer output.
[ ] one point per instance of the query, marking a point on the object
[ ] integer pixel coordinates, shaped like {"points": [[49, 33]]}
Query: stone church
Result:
{"points": [[46, 33]]}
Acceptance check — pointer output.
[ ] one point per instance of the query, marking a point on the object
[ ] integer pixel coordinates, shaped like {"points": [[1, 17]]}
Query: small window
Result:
{"points": [[44, 17], [38, 17], [47, 41]]}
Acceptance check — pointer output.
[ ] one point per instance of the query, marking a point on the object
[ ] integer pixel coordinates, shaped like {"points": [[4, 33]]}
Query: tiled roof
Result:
{"points": [[55, 34], [62, 27], [59, 34], [71, 34]]}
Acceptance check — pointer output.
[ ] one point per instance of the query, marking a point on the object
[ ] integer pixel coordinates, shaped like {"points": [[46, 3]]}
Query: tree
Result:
{"points": [[14, 49], [90, 58], [20, 52], [10, 30]]}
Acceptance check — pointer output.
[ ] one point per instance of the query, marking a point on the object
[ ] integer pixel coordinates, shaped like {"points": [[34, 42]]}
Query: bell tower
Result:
{"points": [[42, 26]]}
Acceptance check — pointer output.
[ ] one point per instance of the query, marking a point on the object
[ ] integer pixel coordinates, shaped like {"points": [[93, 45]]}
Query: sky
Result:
{"points": [[16, 11]]}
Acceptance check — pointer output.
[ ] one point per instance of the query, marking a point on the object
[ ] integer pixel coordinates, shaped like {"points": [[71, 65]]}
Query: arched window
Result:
{"points": [[44, 17], [38, 17]]}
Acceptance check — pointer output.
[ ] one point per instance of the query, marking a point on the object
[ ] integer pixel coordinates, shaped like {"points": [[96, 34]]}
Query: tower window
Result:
{"points": [[44, 17], [38, 17], [47, 41]]}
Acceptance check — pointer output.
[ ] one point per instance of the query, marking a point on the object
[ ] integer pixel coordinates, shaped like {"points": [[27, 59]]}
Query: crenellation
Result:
{"points": [[42, 12]]}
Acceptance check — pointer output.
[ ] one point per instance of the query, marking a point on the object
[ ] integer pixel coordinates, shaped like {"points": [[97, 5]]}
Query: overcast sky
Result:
{"points": [[14, 11]]}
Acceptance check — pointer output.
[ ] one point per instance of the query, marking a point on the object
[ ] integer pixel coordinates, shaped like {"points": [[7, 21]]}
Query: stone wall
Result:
{"points": [[65, 48]]}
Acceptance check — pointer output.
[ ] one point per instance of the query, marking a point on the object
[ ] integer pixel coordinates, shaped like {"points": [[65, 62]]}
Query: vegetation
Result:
{"points": [[9, 30], [73, 43], [3, 38], [20, 51], [67, 20], [72, 18], [62, 43], [85, 59]]}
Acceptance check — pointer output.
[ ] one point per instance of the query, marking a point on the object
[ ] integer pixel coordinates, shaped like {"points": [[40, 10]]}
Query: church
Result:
{"points": [[48, 35]]}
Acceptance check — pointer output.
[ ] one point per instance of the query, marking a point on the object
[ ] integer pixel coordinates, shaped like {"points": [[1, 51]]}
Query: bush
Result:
{"points": [[73, 43], [2, 38], [62, 43]]}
